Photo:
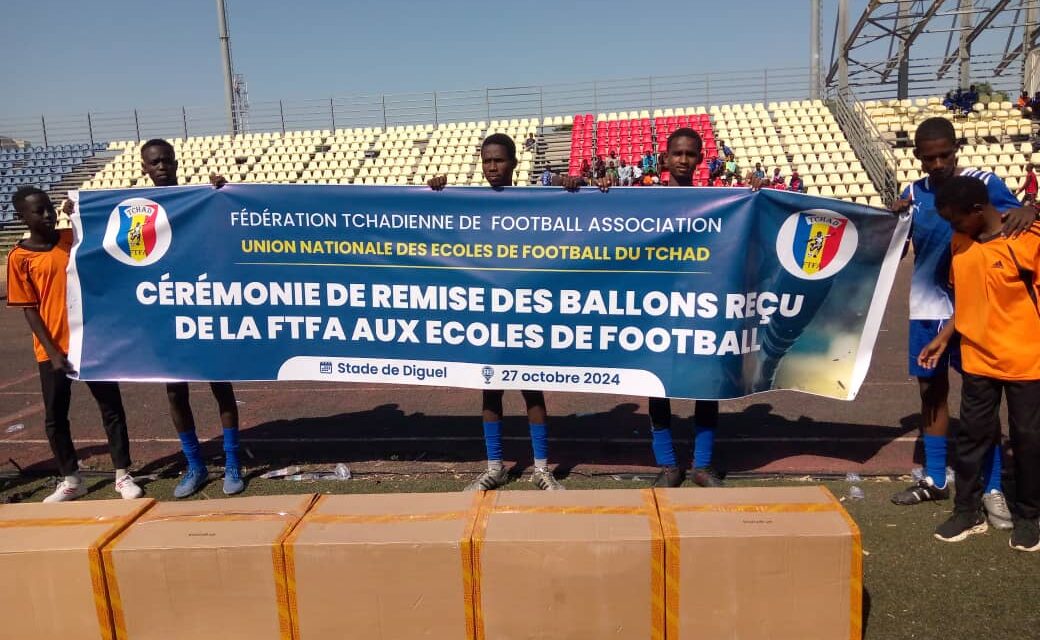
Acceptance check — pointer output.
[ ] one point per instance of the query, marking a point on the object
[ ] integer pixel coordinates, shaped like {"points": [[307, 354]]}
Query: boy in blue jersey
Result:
{"points": [[931, 306]]}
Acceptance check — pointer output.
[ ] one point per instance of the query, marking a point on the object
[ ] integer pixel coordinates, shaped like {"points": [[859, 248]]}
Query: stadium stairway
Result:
{"points": [[554, 150]]}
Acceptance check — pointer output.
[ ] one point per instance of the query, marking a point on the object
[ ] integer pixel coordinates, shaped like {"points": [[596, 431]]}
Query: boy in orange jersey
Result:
{"points": [[998, 318]]}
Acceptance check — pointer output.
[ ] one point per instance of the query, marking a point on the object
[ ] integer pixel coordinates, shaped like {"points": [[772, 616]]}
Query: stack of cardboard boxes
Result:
{"points": [[650, 564]]}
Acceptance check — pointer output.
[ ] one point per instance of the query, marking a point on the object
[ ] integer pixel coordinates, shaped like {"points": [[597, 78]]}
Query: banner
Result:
{"points": [[689, 293]]}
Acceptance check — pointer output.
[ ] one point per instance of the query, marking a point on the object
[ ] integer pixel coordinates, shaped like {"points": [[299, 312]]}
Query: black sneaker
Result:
{"points": [[923, 491], [1026, 536], [707, 477], [669, 477], [961, 525]]}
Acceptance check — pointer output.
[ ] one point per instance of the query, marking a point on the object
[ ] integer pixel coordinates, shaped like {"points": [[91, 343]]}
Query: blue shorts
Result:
{"points": [[921, 333]]}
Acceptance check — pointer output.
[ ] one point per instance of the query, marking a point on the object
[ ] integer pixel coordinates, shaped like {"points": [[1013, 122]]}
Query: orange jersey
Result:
{"points": [[998, 321], [37, 279]]}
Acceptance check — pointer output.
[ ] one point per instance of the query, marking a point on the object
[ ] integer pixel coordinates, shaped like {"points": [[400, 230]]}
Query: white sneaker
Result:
{"points": [[128, 488], [66, 492]]}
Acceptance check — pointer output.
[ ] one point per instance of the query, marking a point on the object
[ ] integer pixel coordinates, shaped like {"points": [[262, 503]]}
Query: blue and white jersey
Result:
{"points": [[930, 295]]}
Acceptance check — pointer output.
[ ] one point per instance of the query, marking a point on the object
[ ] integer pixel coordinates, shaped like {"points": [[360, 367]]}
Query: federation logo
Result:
{"points": [[138, 232], [816, 244]]}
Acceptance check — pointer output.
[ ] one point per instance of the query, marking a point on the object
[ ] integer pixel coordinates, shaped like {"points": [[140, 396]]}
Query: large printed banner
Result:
{"points": [[691, 293]]}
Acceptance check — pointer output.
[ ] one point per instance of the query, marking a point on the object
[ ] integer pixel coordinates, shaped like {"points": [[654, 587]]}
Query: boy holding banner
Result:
{"points": [[684, 154], [159, 162], [997, 316], [36, 280], [931, 306], [498, 160]]}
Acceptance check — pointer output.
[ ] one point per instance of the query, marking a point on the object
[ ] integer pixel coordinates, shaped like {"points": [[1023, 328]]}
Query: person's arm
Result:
{"points": [[217, 180], [929, 356], [58, 360], [437, 183]]}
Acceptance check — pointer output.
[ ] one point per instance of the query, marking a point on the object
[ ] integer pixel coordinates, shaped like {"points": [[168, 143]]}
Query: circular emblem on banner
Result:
{"points": [[138, 232], [816, 244]]}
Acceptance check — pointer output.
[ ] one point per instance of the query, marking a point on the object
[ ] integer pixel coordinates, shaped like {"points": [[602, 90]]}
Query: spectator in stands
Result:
{"points": [[1029, 186], [971, 97], [951, 101], [498, 160], [715, 167], [586, 170], [613, 158], [796, 183], [759, 173], [159, 163], [731, 167], [547, 177], [625, 174], [530, 143], [648, 178], [637, 174], [649, 162], [778, 179], [1023, 102], [612, 174], [726, 151], [1035, 105], [599, 169]]}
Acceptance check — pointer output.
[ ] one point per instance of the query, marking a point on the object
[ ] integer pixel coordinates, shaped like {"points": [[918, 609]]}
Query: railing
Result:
{"points": [[382, 110], [874, 153]]}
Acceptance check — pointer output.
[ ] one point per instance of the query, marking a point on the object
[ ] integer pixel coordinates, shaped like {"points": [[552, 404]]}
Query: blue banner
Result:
{"points": [[692, 293]]}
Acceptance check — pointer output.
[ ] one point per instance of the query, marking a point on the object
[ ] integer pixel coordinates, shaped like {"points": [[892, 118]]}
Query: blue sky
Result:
{"points": [[71, 56]]}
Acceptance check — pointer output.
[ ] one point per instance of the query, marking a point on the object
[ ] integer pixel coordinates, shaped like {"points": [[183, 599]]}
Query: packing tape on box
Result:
{"points": [[277, 559], [649, 509], [97, 575], [465, 551], [667, 512]]}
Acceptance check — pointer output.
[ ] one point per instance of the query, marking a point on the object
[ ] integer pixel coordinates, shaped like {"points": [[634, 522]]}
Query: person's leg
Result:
{"points": [[1024, 422], [495, 476], [184, 422], [934, 389], [113, 418], [57, 392], [974, 439], [671, 474], [542, 476], [705, 421], [224, 393]]}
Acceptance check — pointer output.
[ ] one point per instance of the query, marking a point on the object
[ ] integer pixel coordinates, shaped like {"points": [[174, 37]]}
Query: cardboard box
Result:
{"points": [[568, 564], [760, 563], [51, 579], [383, 567], [204, 569]]}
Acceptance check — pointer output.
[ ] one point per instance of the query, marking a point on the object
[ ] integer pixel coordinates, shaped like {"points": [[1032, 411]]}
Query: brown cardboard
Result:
{"points": [[383, 567], [52, 585], [204, 569], [574, 564], [760, 563]]}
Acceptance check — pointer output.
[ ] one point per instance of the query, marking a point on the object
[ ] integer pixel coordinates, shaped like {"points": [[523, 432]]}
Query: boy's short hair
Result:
{"points": [[23, 193], [157, 142], [686, 132], [501, 140], [935, 129], [962, 193]]}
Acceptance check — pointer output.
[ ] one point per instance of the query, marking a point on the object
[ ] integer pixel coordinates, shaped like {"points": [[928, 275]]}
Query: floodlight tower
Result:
{"points": [[229, 83]]}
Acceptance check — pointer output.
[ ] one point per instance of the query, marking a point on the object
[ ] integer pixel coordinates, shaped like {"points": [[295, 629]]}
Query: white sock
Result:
{"points": [[541, 464], [72, 481], [119, 474], [494, 465]]}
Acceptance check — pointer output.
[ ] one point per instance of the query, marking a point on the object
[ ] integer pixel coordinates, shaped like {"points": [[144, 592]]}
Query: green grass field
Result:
{"points": [[916, 586]]}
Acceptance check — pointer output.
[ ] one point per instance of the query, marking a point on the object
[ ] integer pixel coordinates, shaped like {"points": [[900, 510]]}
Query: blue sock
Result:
{"points": [[540, 441], [231, 448], [935, 459], [991, 468], [664, 450], [190, 447], [493, 440], [703, 445]]}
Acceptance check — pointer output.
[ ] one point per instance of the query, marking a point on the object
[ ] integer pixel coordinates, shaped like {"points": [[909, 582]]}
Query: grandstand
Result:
{"points": [[995, 135]]}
